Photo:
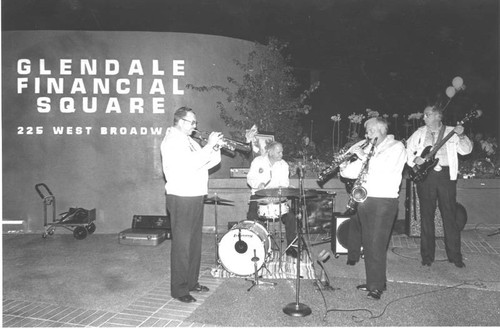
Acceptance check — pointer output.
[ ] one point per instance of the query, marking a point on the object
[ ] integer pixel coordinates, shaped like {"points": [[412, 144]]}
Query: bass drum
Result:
{"points": [[237, 248]]}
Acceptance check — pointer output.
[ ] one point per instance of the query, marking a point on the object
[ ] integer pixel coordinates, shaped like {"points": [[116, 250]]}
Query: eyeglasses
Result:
{"points": [[193, 123]]}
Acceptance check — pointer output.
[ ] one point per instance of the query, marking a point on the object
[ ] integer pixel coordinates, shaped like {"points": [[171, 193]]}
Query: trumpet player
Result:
{"points": [[185, 165], [378, 173]]}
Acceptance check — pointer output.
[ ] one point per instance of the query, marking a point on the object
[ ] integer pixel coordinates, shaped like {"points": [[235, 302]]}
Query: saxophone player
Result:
{"points": [[378, 173]]}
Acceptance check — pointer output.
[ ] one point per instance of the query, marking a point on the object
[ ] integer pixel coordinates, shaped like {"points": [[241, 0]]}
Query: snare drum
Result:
{"points": [[272, 211], [239, 245]]}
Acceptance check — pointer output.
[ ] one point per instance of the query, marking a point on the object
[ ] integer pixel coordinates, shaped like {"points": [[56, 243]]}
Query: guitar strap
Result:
{"points": [[440, 136]]}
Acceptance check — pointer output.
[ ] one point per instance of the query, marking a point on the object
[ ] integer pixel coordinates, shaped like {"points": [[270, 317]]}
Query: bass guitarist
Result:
{"points": [[437, 183]]}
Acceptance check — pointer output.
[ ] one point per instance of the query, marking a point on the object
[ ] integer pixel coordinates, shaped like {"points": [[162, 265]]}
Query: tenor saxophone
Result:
{"points": [[342, 156]]}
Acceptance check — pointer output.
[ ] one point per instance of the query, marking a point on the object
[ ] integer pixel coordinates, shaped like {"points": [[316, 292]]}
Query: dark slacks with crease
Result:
{"points": [[354, 241], [438, 189], [186, 216], [376, 216]]}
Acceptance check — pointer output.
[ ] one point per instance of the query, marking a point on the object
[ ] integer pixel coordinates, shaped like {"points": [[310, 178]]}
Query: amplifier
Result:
{"points": [[239, 172]]}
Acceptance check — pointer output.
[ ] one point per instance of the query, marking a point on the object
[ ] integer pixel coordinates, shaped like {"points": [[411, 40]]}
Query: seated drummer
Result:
{"points": [[268, 171]]}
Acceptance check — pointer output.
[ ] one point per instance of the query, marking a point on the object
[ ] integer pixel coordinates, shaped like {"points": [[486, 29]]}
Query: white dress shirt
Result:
{"points": [[384, 169], [186, 164], [454, 146], [273, 176]]}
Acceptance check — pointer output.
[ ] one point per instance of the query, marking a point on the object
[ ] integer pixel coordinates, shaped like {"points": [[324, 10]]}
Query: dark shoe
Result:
{"points": [[199, 288], [375, 294], [351, 262], [426, 263], [364, 287], [292, 252], [186, 299], [458, 264]]}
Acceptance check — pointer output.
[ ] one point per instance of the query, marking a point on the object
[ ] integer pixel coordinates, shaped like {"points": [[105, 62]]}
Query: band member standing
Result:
{"points": [[440, 185], [269, 170], [376, 215], [186, 165]]}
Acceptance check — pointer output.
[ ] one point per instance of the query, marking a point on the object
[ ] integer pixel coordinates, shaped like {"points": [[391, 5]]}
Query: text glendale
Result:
{"points": [[71, 85]]}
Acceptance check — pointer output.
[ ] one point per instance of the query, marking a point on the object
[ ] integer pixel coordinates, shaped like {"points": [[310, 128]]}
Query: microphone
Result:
{"points": [[240, 246]]}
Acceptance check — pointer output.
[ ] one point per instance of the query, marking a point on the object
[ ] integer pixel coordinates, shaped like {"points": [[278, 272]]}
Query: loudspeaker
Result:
{"points": [[339, 234]]}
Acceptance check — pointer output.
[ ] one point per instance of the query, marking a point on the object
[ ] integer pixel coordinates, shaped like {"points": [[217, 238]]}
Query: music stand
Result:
{"points": [[216, 200]]}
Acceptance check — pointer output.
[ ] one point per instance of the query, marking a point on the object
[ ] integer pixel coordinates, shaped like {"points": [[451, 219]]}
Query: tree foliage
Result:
{"points": [[266, 95]]}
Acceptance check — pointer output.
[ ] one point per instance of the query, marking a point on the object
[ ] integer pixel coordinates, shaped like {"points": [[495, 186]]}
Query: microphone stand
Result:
{"points": [[297, 309]]}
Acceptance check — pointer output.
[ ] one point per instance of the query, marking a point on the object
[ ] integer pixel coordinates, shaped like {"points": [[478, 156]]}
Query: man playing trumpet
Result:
{"points": [[185, 165], [377, 170]]}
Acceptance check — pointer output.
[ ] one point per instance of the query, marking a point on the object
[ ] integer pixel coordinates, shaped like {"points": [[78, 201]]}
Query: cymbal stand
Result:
{"points": [[297, 309], [255, 281]]}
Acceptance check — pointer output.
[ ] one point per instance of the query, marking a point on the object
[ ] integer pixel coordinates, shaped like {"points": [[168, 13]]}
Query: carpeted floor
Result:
{"points": [[96, 273], [404, 305]]}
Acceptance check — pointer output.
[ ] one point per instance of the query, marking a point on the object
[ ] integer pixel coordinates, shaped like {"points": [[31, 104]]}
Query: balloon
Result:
{"points": [[450, 92], [457, 82]]}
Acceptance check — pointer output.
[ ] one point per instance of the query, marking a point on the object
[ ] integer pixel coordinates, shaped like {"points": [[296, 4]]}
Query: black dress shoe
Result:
{"points": [[186, 299], [292, 252], [351, 262], [375, 294], [199, 288], [364, 287], [458, 264]]}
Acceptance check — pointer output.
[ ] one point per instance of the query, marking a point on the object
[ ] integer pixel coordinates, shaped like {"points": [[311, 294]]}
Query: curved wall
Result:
{"points": [[64, 93]]}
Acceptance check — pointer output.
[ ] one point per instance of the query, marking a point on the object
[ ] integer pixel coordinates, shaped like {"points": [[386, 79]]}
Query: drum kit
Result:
{"points": [[248, 244]]}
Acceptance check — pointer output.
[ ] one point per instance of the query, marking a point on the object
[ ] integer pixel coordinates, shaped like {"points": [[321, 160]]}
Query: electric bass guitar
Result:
{"points": [[419, 172]]}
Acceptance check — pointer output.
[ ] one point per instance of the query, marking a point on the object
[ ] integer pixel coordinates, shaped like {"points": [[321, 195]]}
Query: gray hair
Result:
{"points": [[380, 122]]}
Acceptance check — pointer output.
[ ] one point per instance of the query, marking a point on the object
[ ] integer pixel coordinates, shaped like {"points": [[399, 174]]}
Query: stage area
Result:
{"points": [[98, 282]]}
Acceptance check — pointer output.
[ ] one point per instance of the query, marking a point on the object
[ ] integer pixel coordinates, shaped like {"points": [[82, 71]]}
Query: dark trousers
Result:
{"points": [[186, 216], [354, 239], [377, 216], [438, 189], [288, 219], [354, 235]]}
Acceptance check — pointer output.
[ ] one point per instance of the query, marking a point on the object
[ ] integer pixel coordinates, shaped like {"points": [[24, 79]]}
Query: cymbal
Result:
{"points": [[217, 199], [310, 193], [212, 202]]}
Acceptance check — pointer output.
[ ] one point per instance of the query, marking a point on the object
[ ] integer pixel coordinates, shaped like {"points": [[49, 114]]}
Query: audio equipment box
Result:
{"points": [[147, 230], [239, 172]]}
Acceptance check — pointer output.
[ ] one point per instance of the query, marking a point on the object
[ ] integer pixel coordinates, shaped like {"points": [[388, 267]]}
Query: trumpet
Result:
{"points": [[227, 143], [339, 158]]}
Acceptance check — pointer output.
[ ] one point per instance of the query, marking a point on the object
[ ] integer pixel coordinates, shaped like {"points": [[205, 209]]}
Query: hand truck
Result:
{"points": [[78, 220]]}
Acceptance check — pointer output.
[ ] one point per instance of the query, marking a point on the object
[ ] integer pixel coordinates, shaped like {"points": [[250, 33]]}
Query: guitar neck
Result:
{"points": [[473, 114], [440, 144]]}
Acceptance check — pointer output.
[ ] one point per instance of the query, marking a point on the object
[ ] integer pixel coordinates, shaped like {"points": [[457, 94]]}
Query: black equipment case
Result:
{"points": [[147, 230]]}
